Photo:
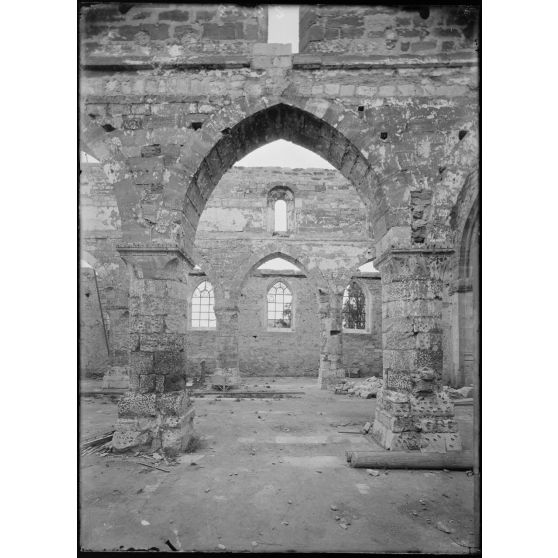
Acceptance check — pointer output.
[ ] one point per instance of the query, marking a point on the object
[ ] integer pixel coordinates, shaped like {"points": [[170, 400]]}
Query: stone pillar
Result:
{"points": [[227, 371], [331, 338], [413, 411], [157, 412]]}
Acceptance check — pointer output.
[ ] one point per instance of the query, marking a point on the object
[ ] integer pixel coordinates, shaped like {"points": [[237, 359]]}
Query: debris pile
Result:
{"points": [[462, 393], [366, 388], [369, 387]]}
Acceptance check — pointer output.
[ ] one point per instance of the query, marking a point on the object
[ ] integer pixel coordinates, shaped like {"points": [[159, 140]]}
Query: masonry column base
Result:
{"points": [[329, 373], [407, 422], [154, 421], [116, 377], [226, 377]]}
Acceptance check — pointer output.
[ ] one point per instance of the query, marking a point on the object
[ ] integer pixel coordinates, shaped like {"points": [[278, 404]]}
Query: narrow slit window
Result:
{"points": [[280, 216], [203, 300], [354, 307], [279, 306]]}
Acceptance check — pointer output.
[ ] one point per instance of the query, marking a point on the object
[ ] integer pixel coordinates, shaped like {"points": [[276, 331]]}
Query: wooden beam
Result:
{"points": [[453, 460]]}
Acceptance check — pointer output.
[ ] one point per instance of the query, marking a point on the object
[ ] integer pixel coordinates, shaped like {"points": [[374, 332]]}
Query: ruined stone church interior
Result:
{"points": [[279, 278]]}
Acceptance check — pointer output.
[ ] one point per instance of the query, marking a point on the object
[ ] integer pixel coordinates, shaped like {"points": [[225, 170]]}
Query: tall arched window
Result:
{"points": [[279, 306], [280, 213], [203, 301], [354, 307]]}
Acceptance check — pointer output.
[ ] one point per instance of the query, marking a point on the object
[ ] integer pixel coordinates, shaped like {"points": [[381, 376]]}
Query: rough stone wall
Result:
{"points": [[418, 125], [329, 218], [100, 233], [418, 117], [161, 31], [200, 353], [326, 206], [364, 350], [387, 31], [278, 353], [401, 127], [93, 350]]}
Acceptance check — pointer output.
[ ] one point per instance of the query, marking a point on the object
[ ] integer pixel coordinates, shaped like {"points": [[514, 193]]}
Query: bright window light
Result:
{"points": [[283, 153], [282, 26], [203, 300], [280, 216], [279, 306], [279, 264], [368, 267]]}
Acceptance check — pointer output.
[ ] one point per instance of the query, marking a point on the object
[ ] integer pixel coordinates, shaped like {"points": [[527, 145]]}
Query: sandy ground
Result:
{"points": [[265, 479]]}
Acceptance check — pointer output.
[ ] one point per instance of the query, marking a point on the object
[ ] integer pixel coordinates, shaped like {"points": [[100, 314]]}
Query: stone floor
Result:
{"points": [[264, 480]]}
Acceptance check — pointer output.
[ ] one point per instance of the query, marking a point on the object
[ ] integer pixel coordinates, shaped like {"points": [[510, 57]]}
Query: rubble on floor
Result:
{"points": [[365, 388], [462, 393], [369, 387]]}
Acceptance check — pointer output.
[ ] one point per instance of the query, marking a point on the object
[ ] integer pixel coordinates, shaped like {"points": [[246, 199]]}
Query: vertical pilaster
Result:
{"points": [[117, 374], [331, 338], [227, 369], [157, 411], [413, 411]]}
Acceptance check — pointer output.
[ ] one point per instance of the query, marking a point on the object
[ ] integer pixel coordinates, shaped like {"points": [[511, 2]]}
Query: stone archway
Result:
{"points": [[256, 343], [468, 301], [321, 132], [188, 176], [159, 223]]}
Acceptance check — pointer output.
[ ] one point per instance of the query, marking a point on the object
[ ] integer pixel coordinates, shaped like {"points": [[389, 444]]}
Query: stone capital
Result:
{"points": [[414, 263], [156, 261]]}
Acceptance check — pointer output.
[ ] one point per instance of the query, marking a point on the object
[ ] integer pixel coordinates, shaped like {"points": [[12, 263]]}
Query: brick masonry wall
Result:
{"points": [[388, 31]]}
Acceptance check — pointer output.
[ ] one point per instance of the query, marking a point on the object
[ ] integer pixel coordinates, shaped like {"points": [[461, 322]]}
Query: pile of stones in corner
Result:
{"points": [[365, 388], [462, 393]]}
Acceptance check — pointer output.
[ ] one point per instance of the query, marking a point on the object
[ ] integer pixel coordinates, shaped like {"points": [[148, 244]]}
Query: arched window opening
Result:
{"points": [[354, 307], [203, 301], [279, 264], [280, 210], [279, 306]]}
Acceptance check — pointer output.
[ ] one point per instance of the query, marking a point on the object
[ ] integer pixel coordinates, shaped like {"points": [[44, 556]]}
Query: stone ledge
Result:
{"points": [[299, 62], [370, 62], [110, 64]]}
